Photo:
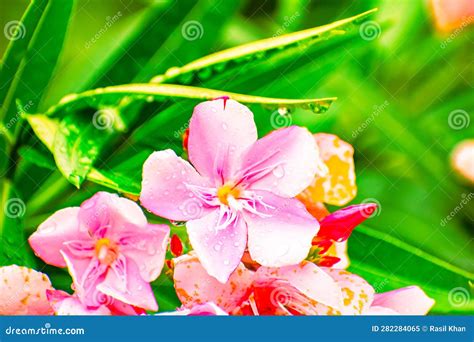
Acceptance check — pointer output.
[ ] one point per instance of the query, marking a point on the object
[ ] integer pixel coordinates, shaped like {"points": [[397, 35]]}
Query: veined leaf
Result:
{"points": [[388, 263], [205, 67], [159, 92]]}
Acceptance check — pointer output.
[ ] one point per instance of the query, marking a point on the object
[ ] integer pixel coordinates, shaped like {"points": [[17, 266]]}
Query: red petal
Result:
{"points": [[176, 246], [338, 226], [328, 261], [185, 139]]}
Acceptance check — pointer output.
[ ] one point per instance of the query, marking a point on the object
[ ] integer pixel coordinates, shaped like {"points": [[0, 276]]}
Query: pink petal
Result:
{"points": [[218, 136], [309, 279], [164, 190], [284, 162], [357, 293], [147, 247], [137, 292], [411, 300], [65, 305], [206, 309], [106, 214], [23, 291], [281, 234], [380, 311], [219, 248], [86, 274], [51, 235], [194, 286]]}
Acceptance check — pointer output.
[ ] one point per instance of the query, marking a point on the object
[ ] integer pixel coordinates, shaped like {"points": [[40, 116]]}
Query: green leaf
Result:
{"points": [[34, 156], [42, 54], [14, 248], [230, 59], [388, 263], [165, 293], [78, 141], [160, 92], [18, 46]]}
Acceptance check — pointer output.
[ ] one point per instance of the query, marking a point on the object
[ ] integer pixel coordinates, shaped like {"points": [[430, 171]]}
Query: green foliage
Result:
{"points": [[95, 111]]}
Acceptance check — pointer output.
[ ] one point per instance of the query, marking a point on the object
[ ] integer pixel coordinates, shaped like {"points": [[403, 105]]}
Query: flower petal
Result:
{"points": [[339, 225], [67, 305], [284, 162], [164, 190], [137, 292], [357, 293], [23, 291], [106, 214], [147, 247], [219, 131], [337, 187], [309, 279], [219, 248], [411, 300], [195, 286], [206, 309], [380, 311], [281, 233], [86, 274], [51, 235]]}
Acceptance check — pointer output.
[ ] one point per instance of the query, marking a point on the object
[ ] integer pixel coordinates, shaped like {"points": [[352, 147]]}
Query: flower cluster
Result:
{"points": [[261, 240]]}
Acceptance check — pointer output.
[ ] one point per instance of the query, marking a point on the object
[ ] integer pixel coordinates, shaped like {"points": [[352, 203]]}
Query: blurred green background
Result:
{"points": [[396, 87]]}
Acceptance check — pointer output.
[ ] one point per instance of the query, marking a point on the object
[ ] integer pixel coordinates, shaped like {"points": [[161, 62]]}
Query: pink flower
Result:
{"points": [[23, 291], [206, 309], [303, 289], [109, 247], [239, 191], [65, 304]]}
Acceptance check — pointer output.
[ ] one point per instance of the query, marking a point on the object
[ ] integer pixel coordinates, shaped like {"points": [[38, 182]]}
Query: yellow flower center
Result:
{"points": [[106, 251], [225, 191]]}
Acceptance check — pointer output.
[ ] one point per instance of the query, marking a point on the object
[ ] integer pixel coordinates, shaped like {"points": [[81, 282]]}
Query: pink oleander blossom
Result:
{"points": [[238, 191], [112, 252], [23, 291], [303, 289]]}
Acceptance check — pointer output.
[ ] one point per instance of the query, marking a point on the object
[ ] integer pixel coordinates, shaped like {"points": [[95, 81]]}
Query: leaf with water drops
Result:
{"points": [[230, 59]]}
